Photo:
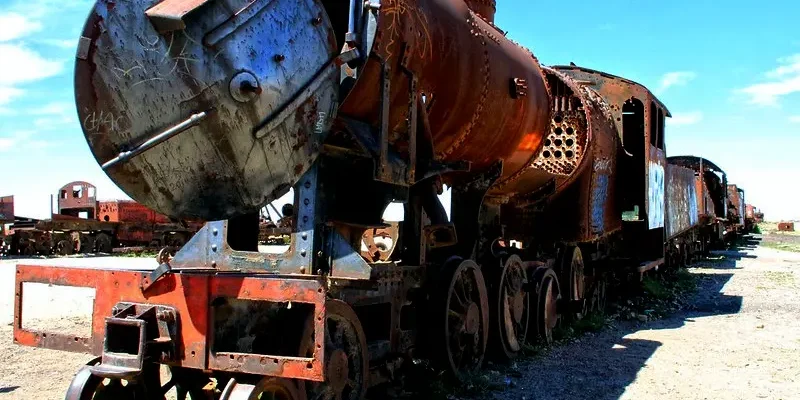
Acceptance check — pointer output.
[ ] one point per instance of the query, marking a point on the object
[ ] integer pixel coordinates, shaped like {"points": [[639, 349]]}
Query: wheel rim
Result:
{"points": [[598, 300], [85, 386], [511, 310], [103, 243], [461, 312], [572, 274], [64, 247], [267, 388], [549, 294], [346, 355]]}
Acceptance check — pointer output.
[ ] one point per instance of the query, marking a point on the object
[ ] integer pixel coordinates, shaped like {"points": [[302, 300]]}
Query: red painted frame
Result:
{"points": [[191, 294]]}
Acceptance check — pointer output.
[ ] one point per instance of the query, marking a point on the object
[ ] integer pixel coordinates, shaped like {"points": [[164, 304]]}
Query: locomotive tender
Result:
{"points": [[212, 109]]}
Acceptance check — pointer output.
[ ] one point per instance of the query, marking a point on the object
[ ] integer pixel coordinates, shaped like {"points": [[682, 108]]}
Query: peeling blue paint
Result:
{"points": [[599, 197]]}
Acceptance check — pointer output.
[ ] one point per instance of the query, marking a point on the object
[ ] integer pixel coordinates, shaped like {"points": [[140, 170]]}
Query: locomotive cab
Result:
{"points": [[638, 117]]}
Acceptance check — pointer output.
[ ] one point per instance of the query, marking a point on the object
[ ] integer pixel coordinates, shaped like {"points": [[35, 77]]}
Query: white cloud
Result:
{"points": [[8, 93], [54, 115], [15, 26], [38, 9], [6, 143], [784, 80], [60, 43], [677, 78], [14, 139], [788, 65], [795, 119], [21, 65], [689, 118], [55, 108]]}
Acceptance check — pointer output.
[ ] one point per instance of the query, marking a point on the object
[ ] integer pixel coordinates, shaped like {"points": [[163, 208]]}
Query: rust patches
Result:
{"points": [[194, 309]]}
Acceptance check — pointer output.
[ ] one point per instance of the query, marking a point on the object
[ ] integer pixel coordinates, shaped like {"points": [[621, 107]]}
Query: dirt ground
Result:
{"points": [[739, 339], [772, 238]]}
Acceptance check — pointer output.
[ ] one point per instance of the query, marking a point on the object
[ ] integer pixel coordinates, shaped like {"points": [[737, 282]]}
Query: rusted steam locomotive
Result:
{"points": [[83, 224], [212, 109]]}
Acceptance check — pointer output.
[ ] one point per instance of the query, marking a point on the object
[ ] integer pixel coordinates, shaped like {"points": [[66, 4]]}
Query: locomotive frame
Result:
{"points": [[322, 320]]}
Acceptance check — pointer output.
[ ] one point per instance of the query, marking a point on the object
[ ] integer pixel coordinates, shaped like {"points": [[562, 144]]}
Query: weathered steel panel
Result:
{"points": [[655, 188], [190, 295], [77, 195], [735, 205], [128, 211], [6, 209], [681, 204], [487, 98], [239, 66], [705, 203]]}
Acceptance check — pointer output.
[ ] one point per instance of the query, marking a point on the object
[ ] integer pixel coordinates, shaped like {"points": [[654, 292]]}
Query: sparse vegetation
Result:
{"points": [[656, 297], [140, 254], [775, 239], [780, 278]]}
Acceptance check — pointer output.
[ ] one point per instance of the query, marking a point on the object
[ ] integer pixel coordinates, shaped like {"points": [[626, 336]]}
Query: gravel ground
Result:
{"points": [[740, 339]]}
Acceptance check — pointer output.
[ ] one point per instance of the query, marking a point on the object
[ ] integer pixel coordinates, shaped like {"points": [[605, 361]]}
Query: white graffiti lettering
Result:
{"points": [[98, 120]]}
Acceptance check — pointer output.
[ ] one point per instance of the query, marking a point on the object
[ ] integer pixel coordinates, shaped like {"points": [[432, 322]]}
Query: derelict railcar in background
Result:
{"points": [[83, 224]]}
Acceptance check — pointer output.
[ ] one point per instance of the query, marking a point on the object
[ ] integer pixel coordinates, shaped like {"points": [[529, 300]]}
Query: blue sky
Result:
{"points": [[728, 71]]}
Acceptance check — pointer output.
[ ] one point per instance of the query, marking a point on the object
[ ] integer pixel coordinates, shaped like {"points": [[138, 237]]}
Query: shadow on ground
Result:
{"points": [[601, 366], [8, 389]]}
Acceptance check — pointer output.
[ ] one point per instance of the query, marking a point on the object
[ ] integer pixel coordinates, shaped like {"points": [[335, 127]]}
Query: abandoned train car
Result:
{"points": [[83, 224], [356, 105]]}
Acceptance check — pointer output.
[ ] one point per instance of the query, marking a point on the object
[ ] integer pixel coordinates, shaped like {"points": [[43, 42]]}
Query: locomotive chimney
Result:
{"points": [[484, 8]]}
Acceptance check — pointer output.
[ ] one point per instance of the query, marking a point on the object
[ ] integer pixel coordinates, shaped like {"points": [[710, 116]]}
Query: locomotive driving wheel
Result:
{"points": [[267, 388], [460, 318], [346, 355], [65, 247], [548, 294], [596, 300], [86, 386], [103, 243], [572, 274], [509, 308]]}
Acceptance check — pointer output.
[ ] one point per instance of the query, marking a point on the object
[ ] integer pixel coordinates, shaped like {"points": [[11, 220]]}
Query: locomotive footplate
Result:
{"points": [[173, 321]]}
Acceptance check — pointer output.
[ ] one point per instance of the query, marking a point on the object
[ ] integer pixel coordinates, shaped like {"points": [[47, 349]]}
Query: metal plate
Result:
{"points": [[133, 83]]}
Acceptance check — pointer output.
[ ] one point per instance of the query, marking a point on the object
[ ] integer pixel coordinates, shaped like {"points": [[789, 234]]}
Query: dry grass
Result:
{"points": [[774, 239]]}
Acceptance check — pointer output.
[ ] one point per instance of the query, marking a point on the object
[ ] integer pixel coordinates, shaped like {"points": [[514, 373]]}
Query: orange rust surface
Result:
{"points": [[191, 295], [6, 209]]}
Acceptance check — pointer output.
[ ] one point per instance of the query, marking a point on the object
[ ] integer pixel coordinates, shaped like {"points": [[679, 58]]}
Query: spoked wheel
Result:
{"points": [[460, 318], [548, 294], [65, 247], [684, 257], [596, 299], [269, 388], [572, 274], [509, 308], [103, 244], [346, 355], [85, 386]]}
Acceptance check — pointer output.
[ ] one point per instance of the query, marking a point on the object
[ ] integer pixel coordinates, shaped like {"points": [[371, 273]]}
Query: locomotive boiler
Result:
{"points": [[213, 109]]}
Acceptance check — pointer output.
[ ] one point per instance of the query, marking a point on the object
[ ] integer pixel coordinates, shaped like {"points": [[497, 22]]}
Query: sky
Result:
{"points": [[729, 72]]}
